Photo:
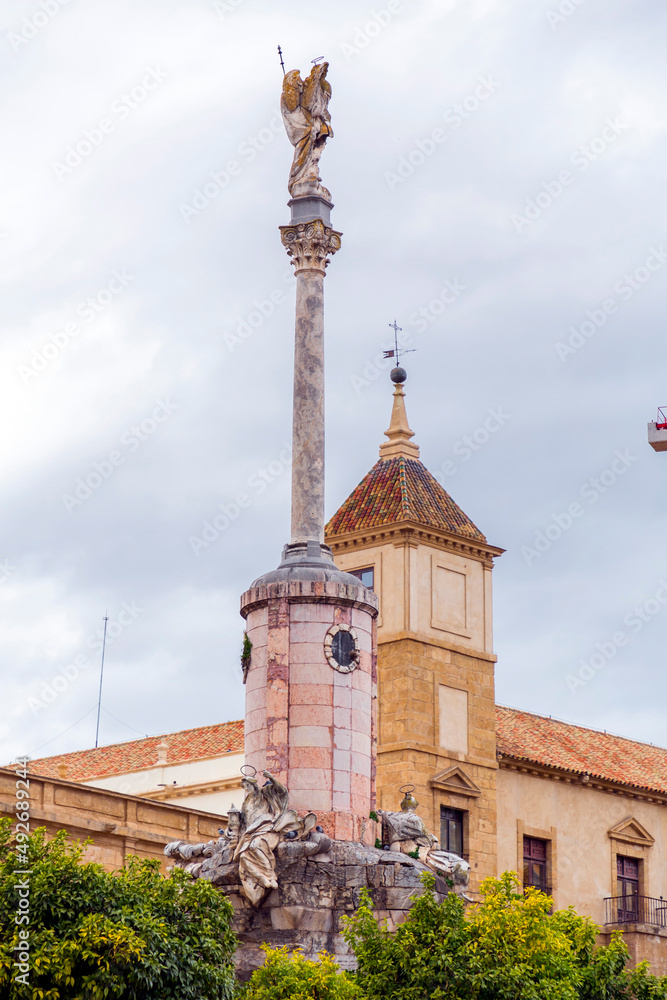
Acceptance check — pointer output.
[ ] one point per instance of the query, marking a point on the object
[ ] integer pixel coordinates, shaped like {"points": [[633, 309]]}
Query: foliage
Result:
{"points": [[287, 976], [508, 947], [247, 648], [134, 934]]}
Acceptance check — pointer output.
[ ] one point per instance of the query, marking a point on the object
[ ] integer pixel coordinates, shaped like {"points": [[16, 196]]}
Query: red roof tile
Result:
{"points": [[188, 744], [401, 489], [539, 740]]}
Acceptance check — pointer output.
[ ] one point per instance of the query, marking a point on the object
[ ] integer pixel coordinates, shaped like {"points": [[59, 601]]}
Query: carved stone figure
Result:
{"points": [[406, 832], [246, 850], [304, 106]]}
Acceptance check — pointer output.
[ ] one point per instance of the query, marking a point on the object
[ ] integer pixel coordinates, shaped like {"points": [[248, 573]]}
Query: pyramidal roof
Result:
{"points": [[400, 488]]}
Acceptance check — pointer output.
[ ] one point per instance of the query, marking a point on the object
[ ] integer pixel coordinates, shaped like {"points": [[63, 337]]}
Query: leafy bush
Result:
{"points": [[94, 935], [508, 947], [287, 976]]}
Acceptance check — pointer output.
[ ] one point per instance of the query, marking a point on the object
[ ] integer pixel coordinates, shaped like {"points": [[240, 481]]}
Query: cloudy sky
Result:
{"points": [[498, 173]]}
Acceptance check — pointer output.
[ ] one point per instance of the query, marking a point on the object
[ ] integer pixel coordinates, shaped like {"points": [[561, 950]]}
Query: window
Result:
{"points": [[367, 576], [451, 830], [627, 887], [535, 863]]}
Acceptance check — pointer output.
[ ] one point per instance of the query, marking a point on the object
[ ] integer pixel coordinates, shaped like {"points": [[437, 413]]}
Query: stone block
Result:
{"points": [[312, 632], [255, 720], [356, 876], [308, 652], [342, 718], [342, 696], [341, 801], [360, 764], [361, 681], [310, 694], [312, 800], [310, 757], [255, 698], [342, 739], [341, 781], [399, 898], [313, 672], [312, 612], [311, 715], [310, 736], [300, 918], [361, 742]]}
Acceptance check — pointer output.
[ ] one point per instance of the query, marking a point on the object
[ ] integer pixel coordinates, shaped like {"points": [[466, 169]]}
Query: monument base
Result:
{"points": [[305, 911]]}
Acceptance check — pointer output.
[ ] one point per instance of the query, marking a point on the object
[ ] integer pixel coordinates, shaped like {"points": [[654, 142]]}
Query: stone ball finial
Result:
{"points": [[398, 375]]}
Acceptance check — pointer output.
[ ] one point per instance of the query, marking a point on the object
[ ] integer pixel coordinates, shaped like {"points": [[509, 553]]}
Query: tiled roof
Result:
{"points": [[188, 744], [401, 489], [539, 740]]}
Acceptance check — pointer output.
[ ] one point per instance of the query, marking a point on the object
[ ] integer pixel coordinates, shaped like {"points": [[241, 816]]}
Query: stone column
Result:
{"points": [[310, 245]]}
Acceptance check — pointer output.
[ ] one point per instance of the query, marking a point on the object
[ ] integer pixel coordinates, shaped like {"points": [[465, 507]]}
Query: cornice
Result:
{"points": [[429, 640], [552, 773], [411, 532], [185, 791]]}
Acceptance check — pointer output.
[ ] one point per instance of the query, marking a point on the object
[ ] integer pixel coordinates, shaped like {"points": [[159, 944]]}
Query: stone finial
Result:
{"points": [[399, 433], [61, 768], [162, 752]]}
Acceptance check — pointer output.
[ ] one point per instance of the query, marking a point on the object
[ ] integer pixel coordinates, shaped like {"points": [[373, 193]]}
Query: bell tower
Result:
{"points": [[430, 566]]}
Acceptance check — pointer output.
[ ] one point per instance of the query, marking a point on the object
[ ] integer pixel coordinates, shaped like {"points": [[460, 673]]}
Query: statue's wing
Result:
{"points": [[292, 87]]}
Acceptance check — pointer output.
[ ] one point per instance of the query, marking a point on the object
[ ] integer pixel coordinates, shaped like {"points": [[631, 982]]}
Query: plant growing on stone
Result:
{"points": [[93, 935], [290, 976]]}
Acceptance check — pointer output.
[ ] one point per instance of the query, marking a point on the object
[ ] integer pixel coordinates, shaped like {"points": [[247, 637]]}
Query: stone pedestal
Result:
{"points": [[305, 911], [313, 725]]}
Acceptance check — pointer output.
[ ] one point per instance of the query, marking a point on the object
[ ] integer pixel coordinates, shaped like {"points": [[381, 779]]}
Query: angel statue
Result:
{"points": [[304, 106]]}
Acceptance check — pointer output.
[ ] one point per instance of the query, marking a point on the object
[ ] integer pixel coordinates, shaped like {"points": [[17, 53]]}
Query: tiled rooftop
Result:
{"points": [[541, 740], [188, 744], [535, 739], [401, 489]]}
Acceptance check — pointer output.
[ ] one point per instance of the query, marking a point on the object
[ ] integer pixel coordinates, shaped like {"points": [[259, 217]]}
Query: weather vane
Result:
{"points": [[398, 352], [280, 56]]}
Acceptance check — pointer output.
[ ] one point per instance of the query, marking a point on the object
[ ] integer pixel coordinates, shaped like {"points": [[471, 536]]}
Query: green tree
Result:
{"points": [[508, 947], [286, 976], [94, 935]]}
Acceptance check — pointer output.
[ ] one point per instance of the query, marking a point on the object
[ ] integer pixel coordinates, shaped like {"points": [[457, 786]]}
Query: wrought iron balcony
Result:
{"points": [[621, 910]]}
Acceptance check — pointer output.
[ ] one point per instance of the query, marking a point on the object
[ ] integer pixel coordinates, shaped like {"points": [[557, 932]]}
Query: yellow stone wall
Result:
{"points": [[421, 647]]}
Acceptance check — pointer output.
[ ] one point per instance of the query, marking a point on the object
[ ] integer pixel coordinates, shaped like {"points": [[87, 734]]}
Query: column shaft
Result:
{"points": [[308, 416]]}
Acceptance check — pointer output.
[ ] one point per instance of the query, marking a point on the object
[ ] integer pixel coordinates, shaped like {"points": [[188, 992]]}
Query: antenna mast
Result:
{"points": [[99, 700]]}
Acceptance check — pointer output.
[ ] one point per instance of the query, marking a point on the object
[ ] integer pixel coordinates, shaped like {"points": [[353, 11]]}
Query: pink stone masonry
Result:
{"points": [[311, 725]]}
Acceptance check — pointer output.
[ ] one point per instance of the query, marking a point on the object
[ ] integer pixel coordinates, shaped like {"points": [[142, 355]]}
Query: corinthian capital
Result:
{"points": [[309, 244]]}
